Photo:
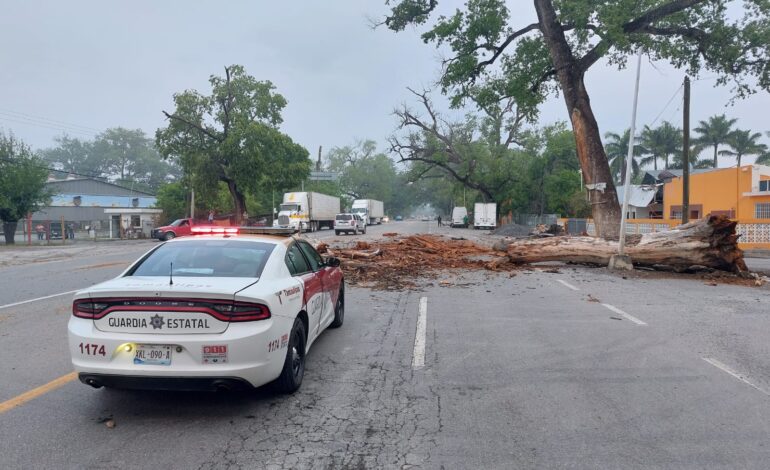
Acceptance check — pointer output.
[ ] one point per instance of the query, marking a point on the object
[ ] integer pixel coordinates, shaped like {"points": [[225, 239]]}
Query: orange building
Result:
{"points": [[740, 193]]}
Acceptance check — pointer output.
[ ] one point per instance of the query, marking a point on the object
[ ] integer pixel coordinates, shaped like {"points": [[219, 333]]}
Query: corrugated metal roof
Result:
{"points": [[92, 187], [639, 196]]}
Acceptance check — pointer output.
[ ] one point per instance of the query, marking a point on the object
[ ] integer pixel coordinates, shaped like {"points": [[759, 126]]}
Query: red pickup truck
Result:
{"points": [[177, 228]]}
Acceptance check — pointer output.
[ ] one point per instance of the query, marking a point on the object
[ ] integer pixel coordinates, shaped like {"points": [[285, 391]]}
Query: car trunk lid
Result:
{"points": [[154, 305]]}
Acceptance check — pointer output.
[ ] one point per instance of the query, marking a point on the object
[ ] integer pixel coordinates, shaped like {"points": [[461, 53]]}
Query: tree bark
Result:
{"points": [[593, 159], [709, 242], [238, 200], [9, 230]]}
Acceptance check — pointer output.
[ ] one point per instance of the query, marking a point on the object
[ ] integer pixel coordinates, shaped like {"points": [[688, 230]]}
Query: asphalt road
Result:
{"points": [[573, 368]]}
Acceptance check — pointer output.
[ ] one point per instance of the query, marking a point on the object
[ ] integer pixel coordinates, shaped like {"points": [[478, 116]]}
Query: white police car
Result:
{"points": [[231, 309]]}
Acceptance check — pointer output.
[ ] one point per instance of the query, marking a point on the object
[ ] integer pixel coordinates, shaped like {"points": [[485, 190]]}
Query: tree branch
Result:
{"points": [[641, 24], [193, 125], [499, 49]]}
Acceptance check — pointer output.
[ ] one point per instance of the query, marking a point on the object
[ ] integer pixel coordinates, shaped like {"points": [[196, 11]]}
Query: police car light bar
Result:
{"points": [[213, 230], [280, 231]]}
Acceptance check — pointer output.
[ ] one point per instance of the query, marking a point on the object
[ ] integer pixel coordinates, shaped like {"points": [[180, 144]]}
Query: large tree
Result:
{"points": [[22, 184], [742, 143], [714, 132], [530, 62], [474, 152], [125, 156], [73, 155], [364, 172], [233, 136]]}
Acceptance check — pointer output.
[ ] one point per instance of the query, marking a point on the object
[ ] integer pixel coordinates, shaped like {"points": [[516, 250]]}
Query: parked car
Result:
{"points": [[349, 223], [385, 219], [232, 310], [399, 218]]}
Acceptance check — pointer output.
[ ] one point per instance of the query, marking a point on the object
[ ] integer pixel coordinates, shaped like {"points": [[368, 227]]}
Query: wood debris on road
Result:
{"points": [[397, 262]]}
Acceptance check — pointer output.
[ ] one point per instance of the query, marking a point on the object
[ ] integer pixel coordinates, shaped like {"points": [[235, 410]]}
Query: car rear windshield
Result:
{"points": [[206, 258], [344, 217]]}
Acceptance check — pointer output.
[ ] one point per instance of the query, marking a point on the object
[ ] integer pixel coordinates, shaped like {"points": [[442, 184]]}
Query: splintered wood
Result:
{"points": [[396, 263]]}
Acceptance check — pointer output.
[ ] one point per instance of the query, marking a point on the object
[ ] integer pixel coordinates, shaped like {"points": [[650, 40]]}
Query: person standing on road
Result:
{"points": [[211, 217], [40, 229], [439, 220]]}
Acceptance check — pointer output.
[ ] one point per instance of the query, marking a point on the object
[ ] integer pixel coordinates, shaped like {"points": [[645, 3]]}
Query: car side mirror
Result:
{"points": [[333, 262]]}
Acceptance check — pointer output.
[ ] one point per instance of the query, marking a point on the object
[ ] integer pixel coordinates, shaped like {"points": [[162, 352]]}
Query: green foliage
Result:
{"points": [[22, 183], [744, 142], [553, 181], [231, 136], [125, 156], [617, 152], [563, 194], [364, 172], [714, 132], [660, 143], [173, 199], [696, 36], [73, 155]]}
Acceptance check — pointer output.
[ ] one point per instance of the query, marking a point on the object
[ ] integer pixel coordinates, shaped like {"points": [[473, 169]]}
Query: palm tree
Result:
{"points": [[695, 161], [661, 142], [744, 143], [616, 148], [715, 132], [763, 159]]}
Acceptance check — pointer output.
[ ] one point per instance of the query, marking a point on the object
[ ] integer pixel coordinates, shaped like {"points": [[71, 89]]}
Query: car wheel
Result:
{"points": [[294, 365], [168, 236], [337, 232], [339, 309], [364, 230]]}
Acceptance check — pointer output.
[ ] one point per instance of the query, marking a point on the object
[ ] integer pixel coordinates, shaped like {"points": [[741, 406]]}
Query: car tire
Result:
{"points": [[337, 232], [364, 231], [168, 236], [339, 308], [294, 366]]}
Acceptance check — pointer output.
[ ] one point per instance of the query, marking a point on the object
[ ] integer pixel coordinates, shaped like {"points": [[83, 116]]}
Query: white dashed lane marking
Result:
{"points": [[725, 368], [39, 298], [567, 284], [418, 357], [623, 314]]}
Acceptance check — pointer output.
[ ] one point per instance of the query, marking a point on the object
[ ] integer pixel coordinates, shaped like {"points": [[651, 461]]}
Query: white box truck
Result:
{"points": [[459, 217], [485, 215], [372, 211], [308, 211]]}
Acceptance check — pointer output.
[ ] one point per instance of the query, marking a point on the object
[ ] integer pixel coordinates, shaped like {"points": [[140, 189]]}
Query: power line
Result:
{"points": [[47, 126], [51, 120], [666, 106], [95, 176]]}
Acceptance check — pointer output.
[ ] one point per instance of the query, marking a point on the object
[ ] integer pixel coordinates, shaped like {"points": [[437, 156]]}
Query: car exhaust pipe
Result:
{"points": [[94, 383], [221, 386]]}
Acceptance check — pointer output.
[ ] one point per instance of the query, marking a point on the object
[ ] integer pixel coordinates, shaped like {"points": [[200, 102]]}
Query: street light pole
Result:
{"points": [[622, 261]]}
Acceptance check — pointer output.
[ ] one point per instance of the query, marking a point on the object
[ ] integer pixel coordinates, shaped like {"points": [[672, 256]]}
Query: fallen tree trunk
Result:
{"points": [[710, 242]]}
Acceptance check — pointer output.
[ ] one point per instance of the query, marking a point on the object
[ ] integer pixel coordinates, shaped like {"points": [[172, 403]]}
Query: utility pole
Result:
{"points": [[686, 152], [621, 261], [192, 203]]}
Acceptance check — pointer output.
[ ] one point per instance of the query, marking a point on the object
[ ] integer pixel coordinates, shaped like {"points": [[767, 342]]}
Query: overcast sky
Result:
{"points": [[83, 66]]}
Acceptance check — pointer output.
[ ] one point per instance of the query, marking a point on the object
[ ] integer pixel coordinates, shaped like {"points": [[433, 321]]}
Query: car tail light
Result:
{"points": [[243, 311], [213, 230], [86, 308], [223, 310]]}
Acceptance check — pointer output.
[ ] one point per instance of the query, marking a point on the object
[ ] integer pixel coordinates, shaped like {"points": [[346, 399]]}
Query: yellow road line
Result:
{"points": [[36, 392]]}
